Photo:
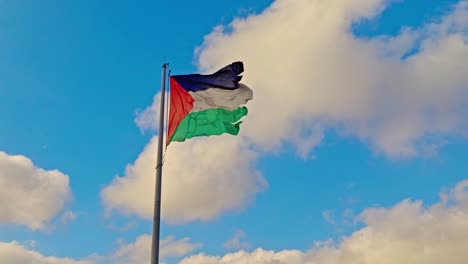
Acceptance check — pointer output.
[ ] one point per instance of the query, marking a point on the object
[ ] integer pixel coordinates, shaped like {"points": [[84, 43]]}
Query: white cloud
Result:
{"points": [[135, 252], [309, 73], [15, 253], [200, 180], [408, 232], [31, 196], [148, 119], [236, 241], [140, 250], [259, 256]]}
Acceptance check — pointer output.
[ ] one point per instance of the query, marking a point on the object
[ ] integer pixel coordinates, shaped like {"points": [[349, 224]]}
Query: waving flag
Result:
{"points": [[206, 105]]}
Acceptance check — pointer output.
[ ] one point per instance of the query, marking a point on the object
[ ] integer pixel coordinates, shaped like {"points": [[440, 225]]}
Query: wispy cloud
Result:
{"points": [[236, 242]]}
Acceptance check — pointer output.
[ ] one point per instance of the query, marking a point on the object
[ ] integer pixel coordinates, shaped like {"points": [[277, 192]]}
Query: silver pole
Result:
{"points": [[157, 196]]}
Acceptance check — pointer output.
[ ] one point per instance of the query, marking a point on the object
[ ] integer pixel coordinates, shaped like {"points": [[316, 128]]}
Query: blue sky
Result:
{"points": [[75, 75]]}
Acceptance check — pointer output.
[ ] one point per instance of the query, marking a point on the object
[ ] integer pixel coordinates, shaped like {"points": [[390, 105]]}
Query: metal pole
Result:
{"points": [[157, 197]]}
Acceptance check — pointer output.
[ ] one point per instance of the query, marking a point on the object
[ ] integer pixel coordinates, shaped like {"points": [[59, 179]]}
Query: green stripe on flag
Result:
{"points": [[209, 122]]}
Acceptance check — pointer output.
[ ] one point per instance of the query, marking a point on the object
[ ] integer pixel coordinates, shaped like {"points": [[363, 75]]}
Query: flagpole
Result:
{"points": [[157, 196]]}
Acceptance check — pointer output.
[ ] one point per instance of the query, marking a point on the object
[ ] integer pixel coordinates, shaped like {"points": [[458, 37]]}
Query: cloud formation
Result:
{"points": [[310, 73], [200, 180], [401, 94], [135, 252], [149, 117], [140, 250], [15, 253], [33, 195], [408, 232]]}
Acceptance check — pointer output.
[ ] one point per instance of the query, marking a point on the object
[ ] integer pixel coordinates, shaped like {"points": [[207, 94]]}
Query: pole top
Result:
{"points": [[165, 65]]}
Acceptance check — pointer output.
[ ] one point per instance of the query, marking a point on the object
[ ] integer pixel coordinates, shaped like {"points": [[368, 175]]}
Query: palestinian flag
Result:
{"points": [[206, 105]]}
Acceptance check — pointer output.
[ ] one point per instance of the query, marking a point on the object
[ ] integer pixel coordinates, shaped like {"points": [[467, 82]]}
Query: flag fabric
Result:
{"points": [[206, 105]]}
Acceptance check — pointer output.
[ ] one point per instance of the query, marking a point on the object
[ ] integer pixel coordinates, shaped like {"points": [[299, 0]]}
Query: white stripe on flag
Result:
{"points": [[221, 98]]}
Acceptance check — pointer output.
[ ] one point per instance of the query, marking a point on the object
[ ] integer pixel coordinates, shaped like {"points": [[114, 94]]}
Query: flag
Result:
{"points": [[206, 105]]}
